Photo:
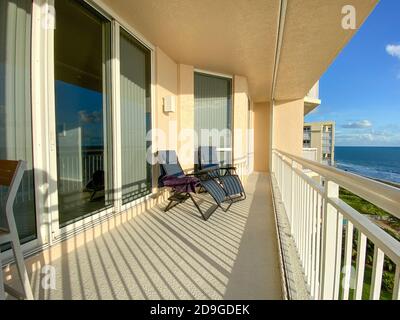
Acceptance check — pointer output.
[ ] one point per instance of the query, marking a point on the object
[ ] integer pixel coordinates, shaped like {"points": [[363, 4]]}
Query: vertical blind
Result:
{"points": [[15, 105], [213, 111], [135, 118]]}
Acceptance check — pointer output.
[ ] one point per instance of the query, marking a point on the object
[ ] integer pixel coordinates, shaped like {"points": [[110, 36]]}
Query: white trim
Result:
{"points": [[116, 112], [61, 232], [217, 74], [281, 30], [38, 127]]}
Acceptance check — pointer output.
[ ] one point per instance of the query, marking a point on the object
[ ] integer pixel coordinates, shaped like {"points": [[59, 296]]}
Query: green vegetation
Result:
{"points": [[365, 207], [360, 204], [385, 293]]}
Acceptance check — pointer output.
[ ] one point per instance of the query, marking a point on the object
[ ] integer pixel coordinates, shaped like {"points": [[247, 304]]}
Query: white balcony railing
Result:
{"points": [[324, 228]]}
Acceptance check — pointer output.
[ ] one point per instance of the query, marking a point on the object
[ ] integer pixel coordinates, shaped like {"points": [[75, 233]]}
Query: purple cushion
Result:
{"points": [[182, 184]]}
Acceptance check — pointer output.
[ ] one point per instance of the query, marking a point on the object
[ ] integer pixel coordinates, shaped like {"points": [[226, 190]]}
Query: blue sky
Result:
{"points": [[361, 90]]}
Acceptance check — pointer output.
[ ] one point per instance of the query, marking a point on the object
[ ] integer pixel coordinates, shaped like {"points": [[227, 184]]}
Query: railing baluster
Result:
{"points": [[308, 234], [303, 212], [377, 273], [292, 196], [296, 227], [318, 248], [348, 254], [313, 241], [396, 289], [339, 242], [306, 231], [329, 242], [361, 253]]}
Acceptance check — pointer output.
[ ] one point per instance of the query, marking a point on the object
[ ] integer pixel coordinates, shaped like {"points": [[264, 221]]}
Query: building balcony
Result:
{"points": [[124, 246], [312, 99], [174, 255], [293, 238]]}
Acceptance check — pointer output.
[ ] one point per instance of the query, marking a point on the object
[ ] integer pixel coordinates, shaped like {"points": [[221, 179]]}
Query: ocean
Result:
{"points": [[374, 162]]}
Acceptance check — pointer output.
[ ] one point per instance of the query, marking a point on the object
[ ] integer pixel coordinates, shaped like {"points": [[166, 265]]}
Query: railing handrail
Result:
{"points": [[380, 194]]}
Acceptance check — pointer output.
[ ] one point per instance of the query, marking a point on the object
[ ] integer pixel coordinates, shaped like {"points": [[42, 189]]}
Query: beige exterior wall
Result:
{"points": [[288, 126], [167, 85], [240, 119], [186, 116], [262, 148]]}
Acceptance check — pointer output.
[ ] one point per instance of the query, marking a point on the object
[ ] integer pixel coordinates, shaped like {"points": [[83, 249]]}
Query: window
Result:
{"points": [[307, 137], [83, 112], [15, 106], [213, 113], [135, 83]]}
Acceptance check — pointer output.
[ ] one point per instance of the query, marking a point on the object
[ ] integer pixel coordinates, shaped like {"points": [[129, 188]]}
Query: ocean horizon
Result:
{"points": [[381, 163]]}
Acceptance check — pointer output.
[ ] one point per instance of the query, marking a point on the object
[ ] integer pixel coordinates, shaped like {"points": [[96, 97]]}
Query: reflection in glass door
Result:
{"points": [[84, 151]]}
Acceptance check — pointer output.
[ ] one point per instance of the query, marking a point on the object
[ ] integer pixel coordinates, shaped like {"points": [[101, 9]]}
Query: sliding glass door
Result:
{"points": [[16, 108], [135, 97], [213, 113], [82, 111]]}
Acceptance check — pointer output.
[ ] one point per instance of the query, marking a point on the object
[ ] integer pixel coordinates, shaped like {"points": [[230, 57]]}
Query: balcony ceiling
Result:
{"points": [[240, 37]]}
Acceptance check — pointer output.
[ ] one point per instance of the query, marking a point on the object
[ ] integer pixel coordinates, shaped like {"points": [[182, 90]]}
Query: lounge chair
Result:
{"points": [[183, 186], [227, 176]]}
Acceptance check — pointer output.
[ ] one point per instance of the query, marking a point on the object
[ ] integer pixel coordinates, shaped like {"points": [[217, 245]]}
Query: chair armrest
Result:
{"points": [[228, 168]]}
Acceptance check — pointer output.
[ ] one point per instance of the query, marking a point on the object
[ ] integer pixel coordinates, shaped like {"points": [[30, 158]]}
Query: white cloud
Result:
{"points": [[371, 138], [362, 124], [93, 117], [393, 50]]}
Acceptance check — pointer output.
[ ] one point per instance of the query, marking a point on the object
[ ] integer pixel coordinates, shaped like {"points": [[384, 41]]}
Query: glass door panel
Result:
{"points": [[16, 108], [213, 114], [82, 109], [135, 93]]}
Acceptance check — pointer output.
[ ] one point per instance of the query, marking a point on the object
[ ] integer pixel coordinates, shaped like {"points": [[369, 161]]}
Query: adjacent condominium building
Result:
{"points": [[319, 138]]}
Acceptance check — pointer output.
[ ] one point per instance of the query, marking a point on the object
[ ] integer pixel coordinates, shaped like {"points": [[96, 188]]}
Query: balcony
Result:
{"points": [[297, 240], [314, 92], [173, 255]]}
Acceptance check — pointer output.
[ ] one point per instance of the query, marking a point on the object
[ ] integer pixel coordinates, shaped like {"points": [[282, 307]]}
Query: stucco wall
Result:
{"points": [[240, 117], [186, 116], [288, 126], [167, 85], [262, 146]]}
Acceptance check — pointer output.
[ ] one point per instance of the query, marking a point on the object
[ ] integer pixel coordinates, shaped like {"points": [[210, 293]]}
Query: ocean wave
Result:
{"points": [[372, 172]]}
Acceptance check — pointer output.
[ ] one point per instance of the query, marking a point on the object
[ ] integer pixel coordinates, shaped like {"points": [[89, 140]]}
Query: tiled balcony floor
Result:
{"points": [[176, 255]]}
